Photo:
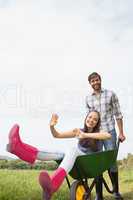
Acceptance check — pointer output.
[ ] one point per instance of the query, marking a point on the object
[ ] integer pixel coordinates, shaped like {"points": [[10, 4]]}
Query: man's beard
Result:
{"points": [[98, 87]]}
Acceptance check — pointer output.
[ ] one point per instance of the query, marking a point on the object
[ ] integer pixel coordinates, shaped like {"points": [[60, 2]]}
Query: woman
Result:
{"points": [[88, 138]]}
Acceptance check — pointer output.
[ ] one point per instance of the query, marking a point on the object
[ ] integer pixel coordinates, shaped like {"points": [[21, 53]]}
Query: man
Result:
{"points": [[107, 103]]}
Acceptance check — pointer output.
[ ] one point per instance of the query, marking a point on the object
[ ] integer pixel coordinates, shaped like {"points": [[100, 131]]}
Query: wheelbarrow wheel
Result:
{"points": [[77, 191]]}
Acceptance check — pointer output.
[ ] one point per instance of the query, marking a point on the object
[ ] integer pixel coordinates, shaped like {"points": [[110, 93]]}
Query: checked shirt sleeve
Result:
{"points": [[88, 108], [116, 107]]}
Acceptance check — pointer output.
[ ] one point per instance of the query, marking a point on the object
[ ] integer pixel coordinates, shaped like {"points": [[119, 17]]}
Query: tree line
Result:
{"points": [[52, 165], [19, 164]]}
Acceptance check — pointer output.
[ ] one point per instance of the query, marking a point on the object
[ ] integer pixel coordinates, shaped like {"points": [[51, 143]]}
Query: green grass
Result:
{"points": [[126, 185], [23, 185]]}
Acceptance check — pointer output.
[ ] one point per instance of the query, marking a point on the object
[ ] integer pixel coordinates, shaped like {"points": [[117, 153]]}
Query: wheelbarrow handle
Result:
{"points": [[118, 143]]}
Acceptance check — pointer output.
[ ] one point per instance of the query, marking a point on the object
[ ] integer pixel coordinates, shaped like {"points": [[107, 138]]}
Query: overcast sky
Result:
{"points": [[47, 50]]}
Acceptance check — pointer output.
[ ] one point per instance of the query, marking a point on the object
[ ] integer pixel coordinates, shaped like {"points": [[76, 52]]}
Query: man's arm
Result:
{"points": [[120, 127], [118, 116], [88, 108], [98, 136]]}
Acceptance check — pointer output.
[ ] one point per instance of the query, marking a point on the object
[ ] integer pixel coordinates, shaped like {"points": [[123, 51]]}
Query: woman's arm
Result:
{"points": [[57, 134], [98, 136], [67, 134]]}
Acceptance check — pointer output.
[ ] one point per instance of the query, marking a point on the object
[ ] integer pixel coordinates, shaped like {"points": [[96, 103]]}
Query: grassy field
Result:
{"points": [[23, 185]]}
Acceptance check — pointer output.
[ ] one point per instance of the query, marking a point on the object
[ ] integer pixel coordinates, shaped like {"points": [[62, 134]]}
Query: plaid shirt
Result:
{"points": [[107, 104]]}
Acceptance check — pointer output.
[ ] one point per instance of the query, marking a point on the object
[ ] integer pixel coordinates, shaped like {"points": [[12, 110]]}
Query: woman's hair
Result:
{"points": [[92, 142], [97, 127]]}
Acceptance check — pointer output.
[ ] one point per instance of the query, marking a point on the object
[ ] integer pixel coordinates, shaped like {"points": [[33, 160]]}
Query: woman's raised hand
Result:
{"points": [[54, 119]]}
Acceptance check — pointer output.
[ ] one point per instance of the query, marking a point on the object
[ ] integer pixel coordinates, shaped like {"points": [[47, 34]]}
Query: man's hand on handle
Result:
{"points": [[122, 137]]}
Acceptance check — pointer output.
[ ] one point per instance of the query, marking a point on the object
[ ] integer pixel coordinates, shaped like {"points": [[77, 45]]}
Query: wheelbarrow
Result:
{"points": [[90, 167]]}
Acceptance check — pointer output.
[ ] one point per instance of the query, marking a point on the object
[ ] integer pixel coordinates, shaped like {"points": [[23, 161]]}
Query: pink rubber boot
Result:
{"points": [[16, 146], [51, 184]]}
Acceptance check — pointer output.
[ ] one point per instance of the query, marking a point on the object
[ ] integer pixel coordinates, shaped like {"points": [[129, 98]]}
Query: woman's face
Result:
{"points": [[92, 119]]}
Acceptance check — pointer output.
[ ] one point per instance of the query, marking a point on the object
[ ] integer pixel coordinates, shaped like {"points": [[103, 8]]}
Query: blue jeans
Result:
{"points": [[109, 145]]}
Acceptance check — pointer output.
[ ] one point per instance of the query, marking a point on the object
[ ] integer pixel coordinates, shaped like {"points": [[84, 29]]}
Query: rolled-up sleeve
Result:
{"points": [[88, 108], [116, 107]]}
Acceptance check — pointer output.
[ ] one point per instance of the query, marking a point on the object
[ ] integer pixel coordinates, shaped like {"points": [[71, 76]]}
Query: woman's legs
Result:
{"points": [[27, 152], [16, 146], [70, 157], [51, 184], [46, 155]]}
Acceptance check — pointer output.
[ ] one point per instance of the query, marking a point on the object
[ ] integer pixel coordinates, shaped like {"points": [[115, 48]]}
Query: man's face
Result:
{"points": [[95, 83]]}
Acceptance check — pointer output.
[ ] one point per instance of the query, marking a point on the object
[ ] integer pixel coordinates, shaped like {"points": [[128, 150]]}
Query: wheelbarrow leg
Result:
{"points": [[99, 188]]}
